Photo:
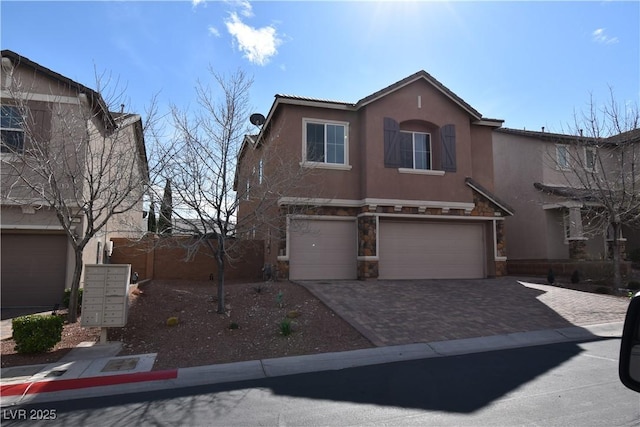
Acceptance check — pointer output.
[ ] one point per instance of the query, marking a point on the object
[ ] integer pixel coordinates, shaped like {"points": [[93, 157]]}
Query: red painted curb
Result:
{"points": [[70, 384]]}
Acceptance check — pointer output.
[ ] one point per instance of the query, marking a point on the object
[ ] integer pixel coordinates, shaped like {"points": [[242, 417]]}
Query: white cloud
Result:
{"points": [[244, 6], [599, 36], [214, 31], [258, 44], [195, 3]]}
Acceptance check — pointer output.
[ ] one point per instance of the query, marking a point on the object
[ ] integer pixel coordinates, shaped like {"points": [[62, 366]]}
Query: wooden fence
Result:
{"points": [[166, 259]]}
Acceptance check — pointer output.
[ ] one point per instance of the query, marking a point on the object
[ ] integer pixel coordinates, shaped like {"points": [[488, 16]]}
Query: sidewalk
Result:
{"points": [[81, 380]]}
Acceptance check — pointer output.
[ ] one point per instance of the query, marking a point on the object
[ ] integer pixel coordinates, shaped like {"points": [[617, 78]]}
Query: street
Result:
{"points": [[561, 384]]}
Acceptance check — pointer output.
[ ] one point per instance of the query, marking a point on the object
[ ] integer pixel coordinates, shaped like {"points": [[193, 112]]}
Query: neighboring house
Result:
{"points": [[535, 173], [400, 186], [37, 258]]}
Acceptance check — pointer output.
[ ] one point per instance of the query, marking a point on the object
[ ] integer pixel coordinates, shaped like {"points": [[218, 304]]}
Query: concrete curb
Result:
{"points": [[36, 392]]}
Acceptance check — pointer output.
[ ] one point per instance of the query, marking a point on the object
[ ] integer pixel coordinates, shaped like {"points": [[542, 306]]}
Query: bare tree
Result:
{"points": [[601, 170], [207, 189], [78, 159]]}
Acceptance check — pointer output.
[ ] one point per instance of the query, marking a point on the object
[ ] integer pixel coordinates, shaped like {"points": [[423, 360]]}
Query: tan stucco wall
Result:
{"points": [[403, 107], [515, 172]]}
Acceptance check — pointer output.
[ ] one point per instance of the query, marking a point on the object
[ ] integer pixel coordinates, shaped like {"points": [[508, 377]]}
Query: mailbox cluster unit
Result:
{"points": [[105, 299]]}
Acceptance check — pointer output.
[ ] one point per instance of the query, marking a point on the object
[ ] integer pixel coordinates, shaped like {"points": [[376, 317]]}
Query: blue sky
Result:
{"points": [[530, 63]]}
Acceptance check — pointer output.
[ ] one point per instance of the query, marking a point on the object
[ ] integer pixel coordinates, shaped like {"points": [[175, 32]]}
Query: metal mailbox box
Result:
{"points": [[105, 299]]}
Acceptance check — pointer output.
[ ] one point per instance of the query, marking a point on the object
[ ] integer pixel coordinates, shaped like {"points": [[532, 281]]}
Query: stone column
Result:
{"points": [[367, 242], [575, 223], [578, 248], [577, 241]]}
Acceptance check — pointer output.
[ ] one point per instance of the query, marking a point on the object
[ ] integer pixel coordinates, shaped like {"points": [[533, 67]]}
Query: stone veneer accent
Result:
{"points": [[621, 244], [367, 236], [578, 249], [501, 268]]}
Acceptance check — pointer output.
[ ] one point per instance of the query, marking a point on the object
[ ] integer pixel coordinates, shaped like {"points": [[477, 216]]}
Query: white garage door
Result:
{"points": [[322, 249], [418, 250], [33, 269]]}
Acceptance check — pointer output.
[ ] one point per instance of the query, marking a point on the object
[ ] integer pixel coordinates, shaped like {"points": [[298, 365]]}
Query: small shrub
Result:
{"points": [[234, 325], [285, 327], [172, 321], [602, 290], [279, 299], [551, 278], [575, 276], [67, 298], [36, 334]]}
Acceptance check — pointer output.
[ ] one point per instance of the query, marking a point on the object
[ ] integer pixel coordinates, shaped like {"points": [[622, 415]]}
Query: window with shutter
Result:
{"points": [[448, 139], [406, 149]]}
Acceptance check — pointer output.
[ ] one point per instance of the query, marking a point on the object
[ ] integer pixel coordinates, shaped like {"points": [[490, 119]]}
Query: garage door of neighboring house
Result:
{"points": [[33, 269], [419, 250], [322, 249]]}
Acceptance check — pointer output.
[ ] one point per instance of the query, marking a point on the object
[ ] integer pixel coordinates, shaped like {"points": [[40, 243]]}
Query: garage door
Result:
{"points": [[322, 249], [418, 250], [33, 269]]}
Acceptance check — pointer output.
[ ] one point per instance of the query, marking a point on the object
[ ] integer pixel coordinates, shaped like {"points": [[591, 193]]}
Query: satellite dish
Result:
{"points": [[257, 119]]}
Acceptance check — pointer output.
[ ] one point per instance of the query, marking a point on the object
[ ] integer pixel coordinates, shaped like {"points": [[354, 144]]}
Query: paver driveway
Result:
{"points": [[390, 312]]}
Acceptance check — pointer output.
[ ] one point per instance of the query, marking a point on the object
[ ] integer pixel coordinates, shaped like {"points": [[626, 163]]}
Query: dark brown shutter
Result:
{"points": [[391, 143], [40, 120], [448, 139]]}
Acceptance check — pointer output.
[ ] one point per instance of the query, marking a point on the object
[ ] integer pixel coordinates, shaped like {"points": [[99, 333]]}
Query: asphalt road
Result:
{"points": [[569, 384]]}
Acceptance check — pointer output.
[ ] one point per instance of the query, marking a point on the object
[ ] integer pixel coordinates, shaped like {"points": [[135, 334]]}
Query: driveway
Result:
{"points": [[390, 312]]}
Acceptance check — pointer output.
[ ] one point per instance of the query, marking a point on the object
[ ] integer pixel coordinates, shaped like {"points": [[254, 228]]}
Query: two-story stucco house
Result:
{"points": [[400, 186], [535, 172], [43, 110]]}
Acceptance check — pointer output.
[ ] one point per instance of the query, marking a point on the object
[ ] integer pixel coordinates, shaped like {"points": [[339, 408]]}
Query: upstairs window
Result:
{"points": [[415, 149], [325, 142], [590, 158], [562, 156], [12, 129]]}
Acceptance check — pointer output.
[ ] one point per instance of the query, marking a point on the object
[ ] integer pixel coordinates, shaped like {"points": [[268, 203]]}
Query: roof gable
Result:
{"points": [[421, 75], [94, 98]]}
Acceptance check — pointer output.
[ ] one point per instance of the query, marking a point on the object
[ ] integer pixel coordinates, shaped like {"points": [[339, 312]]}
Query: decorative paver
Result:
{"points": [[390, 312]]}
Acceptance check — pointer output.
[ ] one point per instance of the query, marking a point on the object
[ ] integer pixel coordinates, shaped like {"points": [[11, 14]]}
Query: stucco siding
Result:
{"points": [[515, 172]]}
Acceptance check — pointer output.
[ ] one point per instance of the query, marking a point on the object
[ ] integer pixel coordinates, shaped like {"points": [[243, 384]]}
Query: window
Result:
{"points": [[415, 150], [562, 156], [12, 130], [590, 158], [325, 142]]}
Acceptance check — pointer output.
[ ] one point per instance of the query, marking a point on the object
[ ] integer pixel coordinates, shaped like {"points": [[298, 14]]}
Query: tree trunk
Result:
{"points": [[615, 248], [75, 285], [220, 260]]}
